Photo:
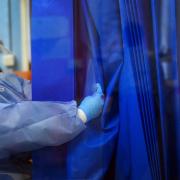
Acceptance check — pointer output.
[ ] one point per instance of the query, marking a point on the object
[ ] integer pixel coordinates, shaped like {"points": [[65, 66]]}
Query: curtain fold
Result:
{"points": [[150, 42]]}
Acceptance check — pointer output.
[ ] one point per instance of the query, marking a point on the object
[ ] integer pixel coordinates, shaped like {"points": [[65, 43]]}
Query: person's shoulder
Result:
{"points": [[12, 80]]}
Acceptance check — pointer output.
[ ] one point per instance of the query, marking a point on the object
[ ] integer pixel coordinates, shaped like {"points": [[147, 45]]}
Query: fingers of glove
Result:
{"points": [[99, 89]]}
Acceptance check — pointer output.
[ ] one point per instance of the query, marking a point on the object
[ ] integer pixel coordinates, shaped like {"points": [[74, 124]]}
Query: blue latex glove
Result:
{"points": [[92, 105]]}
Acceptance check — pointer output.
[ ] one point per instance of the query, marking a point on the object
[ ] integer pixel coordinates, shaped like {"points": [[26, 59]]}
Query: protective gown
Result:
{"points": [[27, 125]]}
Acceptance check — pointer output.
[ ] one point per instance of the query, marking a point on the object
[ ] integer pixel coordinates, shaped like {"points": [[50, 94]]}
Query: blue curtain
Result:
{"points": [[53, 73], [131, 48], [150, 49]]}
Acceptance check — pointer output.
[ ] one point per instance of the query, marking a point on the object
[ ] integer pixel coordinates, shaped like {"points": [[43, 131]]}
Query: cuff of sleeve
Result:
{"points": [[82, 115]]}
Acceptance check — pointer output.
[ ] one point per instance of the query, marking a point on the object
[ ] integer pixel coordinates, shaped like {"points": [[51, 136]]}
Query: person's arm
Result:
{"points": [[27, 126]]}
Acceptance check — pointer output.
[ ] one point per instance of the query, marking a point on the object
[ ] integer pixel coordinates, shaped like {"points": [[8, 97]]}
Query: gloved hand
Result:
{"points": [[92, 105]]}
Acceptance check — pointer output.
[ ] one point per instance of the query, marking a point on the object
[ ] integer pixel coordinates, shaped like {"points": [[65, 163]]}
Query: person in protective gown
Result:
{"points": [[27, 125]]}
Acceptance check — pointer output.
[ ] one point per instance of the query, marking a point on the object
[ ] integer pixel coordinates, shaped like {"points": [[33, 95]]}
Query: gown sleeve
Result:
{"points": [[30, 125]]}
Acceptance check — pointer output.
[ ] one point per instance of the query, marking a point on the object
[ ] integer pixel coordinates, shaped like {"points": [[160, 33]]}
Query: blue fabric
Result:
{"points": [[170, 101], [140, 22], [131, 48], [52, 50], [89, 155], [96, 146], [133, 158], [53, 71]]}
